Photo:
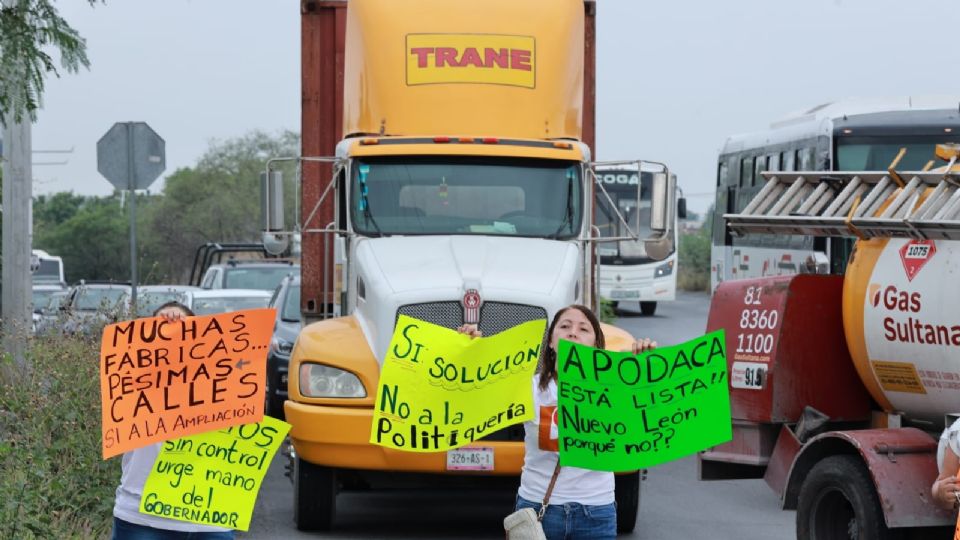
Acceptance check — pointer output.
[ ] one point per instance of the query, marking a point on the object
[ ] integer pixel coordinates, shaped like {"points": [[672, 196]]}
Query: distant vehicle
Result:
{"points": [[261, 275], [212, 302], [47, 268], [91, 305], [848, 135], [286, 299], [47, 311], [626, 271], [43, 292], [151, 297]]}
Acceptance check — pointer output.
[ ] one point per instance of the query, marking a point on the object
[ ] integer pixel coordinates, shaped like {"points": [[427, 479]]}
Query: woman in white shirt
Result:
{"points": [[946, 488], [581, 505], [128, 522]]}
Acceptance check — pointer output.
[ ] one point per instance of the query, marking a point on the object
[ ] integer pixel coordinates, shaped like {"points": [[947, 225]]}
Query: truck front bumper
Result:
{"points": [[340, 437]]}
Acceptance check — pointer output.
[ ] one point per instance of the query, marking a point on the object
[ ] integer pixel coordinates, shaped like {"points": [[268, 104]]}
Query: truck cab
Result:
{"points": [[460, 192]]}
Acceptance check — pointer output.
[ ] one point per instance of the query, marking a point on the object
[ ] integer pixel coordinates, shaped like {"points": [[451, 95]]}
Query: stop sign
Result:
{"points": [[131, 155]]}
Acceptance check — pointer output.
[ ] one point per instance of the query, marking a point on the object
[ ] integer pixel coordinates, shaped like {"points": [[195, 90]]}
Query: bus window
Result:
{"points": [[773, 162], [788, 160], [746, 172], [806, 159], [761, 165]]}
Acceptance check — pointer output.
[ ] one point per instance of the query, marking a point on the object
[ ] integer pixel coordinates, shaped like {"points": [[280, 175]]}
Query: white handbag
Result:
{"points": [[524, 524]]}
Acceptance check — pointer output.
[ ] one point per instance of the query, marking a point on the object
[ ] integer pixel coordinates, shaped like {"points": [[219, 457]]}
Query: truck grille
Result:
{"points": [[495, 317]]}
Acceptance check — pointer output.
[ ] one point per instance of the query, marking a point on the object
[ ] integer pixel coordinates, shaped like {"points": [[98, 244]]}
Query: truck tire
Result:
{"points": [[627, 494], [838, 501], [314, 496], [648, 308]]}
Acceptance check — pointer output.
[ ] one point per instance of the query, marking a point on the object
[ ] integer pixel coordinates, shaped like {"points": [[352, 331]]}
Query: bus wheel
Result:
{"points": [[627, 494], [314, 496], [648, 308], [839, 502]]}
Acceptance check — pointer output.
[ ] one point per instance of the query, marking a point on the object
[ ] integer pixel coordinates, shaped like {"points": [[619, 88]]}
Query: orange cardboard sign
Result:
{"points": [[162, 380]]}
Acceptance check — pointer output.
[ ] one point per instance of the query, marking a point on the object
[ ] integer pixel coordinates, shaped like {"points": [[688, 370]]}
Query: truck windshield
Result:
{"points": [[431, 195], [622, 189]]}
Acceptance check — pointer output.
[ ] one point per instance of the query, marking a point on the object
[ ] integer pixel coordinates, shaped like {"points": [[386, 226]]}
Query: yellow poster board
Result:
{"points": [[213, 478], [440, 389]]}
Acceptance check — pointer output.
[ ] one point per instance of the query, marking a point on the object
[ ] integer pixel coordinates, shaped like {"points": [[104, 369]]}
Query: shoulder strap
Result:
{"points": [[553, 481]]}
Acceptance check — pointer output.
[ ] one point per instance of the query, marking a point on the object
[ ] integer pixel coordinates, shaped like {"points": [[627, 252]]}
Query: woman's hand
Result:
{"points": [[944, 492], [470, 330], [643, 345]]}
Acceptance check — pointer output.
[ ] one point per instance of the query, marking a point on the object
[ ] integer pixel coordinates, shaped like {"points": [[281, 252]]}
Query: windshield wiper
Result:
{"points": [[568, 216], [364, 201]]}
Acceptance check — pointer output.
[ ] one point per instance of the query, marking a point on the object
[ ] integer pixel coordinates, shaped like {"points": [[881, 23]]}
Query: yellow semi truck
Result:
{"points": [[461, 191]]}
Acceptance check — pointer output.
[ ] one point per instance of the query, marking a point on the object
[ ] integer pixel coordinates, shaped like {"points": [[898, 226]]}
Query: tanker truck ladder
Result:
{"points": [[853, 204]]}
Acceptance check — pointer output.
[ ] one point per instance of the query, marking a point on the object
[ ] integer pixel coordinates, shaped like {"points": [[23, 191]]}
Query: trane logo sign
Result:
{"points": [[471, 58], [910, 329]]}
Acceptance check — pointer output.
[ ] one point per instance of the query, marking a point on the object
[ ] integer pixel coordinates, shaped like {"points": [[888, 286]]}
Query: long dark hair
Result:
{"points": [[548, 362]]}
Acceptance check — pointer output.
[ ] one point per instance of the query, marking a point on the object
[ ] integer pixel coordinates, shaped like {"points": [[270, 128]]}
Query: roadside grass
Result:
{"points": [[53, 481]]}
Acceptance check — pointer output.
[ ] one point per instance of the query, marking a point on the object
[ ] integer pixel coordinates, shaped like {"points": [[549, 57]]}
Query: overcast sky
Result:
{"points": [[675, 78]]}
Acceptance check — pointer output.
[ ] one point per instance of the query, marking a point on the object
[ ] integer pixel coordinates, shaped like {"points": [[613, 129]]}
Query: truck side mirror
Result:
{"points": [[682, 208], [271, 208], [662, 207]]}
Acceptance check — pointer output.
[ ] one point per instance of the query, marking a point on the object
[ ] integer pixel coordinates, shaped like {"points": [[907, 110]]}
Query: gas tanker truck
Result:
{"points": [[841, 385]]}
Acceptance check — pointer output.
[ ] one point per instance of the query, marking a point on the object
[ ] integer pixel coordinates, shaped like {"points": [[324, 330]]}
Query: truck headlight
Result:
{"points": [[664, 269], [319, 381]]}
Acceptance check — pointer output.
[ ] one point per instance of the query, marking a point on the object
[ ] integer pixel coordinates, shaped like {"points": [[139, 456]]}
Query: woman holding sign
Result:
{"points": [[580, 504], [946, 488], [128, 522]]}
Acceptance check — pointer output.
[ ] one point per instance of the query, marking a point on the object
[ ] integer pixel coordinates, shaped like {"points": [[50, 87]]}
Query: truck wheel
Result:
{"points": [[648, 308], [314, 496], [627, 494], [838, 501]]}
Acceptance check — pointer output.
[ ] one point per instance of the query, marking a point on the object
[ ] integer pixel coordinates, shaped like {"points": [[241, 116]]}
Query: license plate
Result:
{"points": [[470, 459], [620, 294]]}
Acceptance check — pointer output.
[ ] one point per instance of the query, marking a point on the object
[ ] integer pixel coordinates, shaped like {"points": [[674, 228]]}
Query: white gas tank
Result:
{"points": [[901, 311]]}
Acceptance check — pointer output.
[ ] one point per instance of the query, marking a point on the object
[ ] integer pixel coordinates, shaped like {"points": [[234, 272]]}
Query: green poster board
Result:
{"points": [[623, 412]]}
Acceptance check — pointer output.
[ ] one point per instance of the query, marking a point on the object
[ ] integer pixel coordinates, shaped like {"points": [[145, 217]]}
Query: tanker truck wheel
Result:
{"points": [[839, 502], [627, 493], [314, 496]]}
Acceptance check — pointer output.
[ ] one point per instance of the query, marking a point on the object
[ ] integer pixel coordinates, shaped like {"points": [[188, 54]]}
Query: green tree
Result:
{"points": [[27, 29], [218, 200], [93, 241], [694, 254]]}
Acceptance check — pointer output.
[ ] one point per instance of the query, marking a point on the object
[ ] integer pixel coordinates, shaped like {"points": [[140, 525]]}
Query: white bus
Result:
{"points": [[850, 135], [47, 269], [626, 272]]}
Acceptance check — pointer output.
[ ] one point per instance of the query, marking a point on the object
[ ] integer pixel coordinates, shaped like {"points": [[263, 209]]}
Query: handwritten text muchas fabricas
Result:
{"points": [[440, 389], [165, 379]]}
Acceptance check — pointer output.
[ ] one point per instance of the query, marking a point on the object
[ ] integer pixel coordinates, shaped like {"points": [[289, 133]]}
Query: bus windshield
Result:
{"points": [[622, 189], [876, 153], [459, 195]]}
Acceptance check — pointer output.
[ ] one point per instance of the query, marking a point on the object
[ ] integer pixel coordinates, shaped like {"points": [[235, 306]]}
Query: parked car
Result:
{"points": [[41, 294], [264, 274], [212, 302], [46, 315], [151, 297], [286, 299], [91, 305]]}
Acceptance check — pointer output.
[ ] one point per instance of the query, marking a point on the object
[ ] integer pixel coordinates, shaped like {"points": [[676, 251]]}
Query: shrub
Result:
{"points": [[53, 481]]}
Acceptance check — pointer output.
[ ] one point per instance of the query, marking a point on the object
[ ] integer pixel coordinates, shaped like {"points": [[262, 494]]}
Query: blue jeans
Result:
{"points": [[575, 521], [124, 530]]}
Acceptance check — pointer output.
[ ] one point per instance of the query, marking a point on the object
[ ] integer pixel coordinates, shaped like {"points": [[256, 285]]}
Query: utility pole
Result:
{"points": [[17, 236]]}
